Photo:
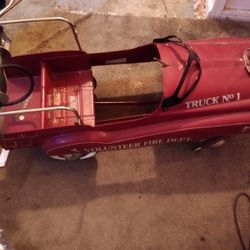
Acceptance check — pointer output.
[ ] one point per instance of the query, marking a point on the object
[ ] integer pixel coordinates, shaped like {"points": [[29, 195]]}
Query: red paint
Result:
{"points": [[218, 106]]}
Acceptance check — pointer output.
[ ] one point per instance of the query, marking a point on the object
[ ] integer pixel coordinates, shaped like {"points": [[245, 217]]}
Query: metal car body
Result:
{"points": [[205, 97]]}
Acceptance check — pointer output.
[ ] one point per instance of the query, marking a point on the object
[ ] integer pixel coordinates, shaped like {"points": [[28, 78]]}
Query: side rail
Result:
{"points": [[47, 19], [10, 5], [47, 109]]}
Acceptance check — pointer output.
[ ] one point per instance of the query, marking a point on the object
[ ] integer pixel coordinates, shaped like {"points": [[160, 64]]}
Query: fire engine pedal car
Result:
{"points": [[48, 100]]}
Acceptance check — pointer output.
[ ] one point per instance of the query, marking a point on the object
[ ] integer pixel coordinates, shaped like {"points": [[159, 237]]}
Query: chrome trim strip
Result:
{"points": [[23, 111]]}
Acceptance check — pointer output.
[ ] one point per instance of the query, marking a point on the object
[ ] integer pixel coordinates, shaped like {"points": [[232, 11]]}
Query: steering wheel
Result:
{"points": [[4, 99]]}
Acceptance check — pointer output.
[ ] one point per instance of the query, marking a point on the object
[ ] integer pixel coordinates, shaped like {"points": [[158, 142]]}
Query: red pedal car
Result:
{"points": [[48, 99]]}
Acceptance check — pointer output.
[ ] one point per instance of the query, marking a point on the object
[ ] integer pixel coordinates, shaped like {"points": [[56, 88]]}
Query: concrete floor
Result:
{"points": [[162, 197]]}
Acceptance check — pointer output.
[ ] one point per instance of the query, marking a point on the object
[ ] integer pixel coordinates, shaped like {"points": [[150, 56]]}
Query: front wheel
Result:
{"points": [[73, 156]]}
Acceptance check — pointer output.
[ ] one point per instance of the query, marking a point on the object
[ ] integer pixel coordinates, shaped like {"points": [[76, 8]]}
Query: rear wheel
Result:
{"points": [[215, 142], [218, 144], [73, 156]]}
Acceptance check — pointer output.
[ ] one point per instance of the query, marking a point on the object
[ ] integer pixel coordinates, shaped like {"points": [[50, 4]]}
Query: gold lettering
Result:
{"points": [[113, 147], [137, 144]]}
